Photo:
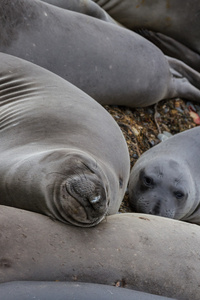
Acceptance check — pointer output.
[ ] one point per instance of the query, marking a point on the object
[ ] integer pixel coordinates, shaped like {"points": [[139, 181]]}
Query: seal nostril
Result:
{"points": [[95, 200], [156, 209]]}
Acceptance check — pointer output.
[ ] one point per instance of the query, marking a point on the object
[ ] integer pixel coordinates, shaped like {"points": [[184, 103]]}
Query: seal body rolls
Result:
{"points": [[144, 253], [165, 179], [62, 154], [111, 64]]}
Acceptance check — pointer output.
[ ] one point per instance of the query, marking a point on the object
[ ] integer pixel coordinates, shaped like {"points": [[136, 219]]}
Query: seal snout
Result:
{"points": [[84, 199], [161, 207], [82, 187]]}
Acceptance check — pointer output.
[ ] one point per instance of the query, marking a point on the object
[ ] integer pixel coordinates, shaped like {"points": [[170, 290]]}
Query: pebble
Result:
{"points": [[164, 136]]}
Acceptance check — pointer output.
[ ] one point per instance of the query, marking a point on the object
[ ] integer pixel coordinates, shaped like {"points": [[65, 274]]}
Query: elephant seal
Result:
{"points": [[174, 26], [136, 251], [102, 59], [165, 179], [62, 154], [28, 290]]}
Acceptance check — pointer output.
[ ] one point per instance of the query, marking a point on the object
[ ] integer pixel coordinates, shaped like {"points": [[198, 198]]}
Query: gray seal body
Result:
{"points": [[173, 26], [110, 63], [62, 154], [136, 251]]}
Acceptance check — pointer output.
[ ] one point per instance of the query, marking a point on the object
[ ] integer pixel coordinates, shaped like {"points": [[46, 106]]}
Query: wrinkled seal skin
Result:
{"points": [[62, 154], [136, 250], [174, 26], [102, 59], [28, 290], [165, 179]]}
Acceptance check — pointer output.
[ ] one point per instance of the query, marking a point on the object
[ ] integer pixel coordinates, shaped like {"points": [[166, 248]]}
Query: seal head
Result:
{"points": [[161, 187], [83, 194], [71, 186]]}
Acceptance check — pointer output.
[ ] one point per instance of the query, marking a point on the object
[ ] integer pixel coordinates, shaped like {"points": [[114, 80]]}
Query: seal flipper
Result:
{"points": [[173, 48], [185, 81]]}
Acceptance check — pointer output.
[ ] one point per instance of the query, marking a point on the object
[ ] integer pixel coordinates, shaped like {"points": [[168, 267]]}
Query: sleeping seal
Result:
{"points": [[62, 154], [111, 64], [165, 179], [144, 253]]}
